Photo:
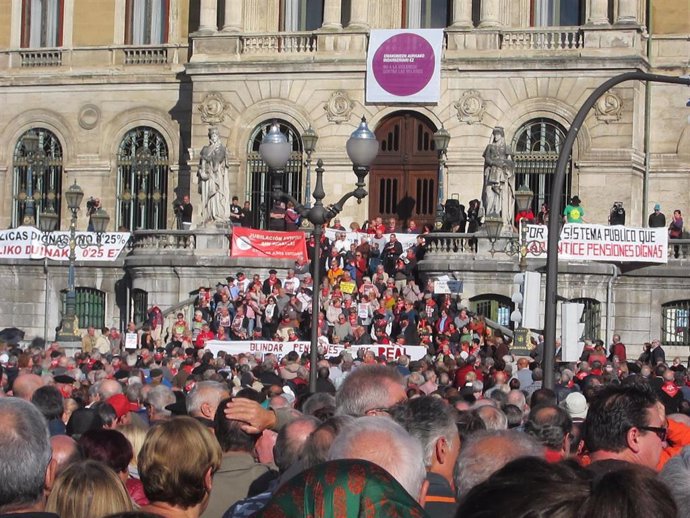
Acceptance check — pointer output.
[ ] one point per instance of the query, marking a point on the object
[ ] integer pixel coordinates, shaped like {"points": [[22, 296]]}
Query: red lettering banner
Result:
{"points": [[248, 242]]}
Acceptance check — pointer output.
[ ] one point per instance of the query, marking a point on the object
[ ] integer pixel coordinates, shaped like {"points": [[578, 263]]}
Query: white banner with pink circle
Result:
{"points": [[404, 65]]}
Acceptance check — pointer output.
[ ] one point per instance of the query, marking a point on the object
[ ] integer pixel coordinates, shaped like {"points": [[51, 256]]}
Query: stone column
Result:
{"points": [[489, 14], [597, 12], [359, 10], [627, 12], [331, 15], [233, 16], [462, 14], [208, 19]]}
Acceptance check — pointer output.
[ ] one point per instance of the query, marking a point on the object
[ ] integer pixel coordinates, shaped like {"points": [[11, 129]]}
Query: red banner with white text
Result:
{"points": [[248, 242]]}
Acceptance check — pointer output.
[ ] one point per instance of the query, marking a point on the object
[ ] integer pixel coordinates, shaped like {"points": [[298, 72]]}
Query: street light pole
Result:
{"points": [[441, 141], [362, 148], [557, 185]]}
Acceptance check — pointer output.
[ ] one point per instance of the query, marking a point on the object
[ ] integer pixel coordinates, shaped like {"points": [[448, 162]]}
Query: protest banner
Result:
{"points": [[589, 242], [247, 242], [30, 243], [280, 349], [404, 65]]}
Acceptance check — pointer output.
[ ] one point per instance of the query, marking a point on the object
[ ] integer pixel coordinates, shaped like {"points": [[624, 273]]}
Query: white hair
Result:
{"points": [[384, 442], [676, 476], [210, 392]]}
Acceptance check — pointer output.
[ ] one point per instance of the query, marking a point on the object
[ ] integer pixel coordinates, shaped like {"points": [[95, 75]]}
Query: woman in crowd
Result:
{"points": [[88, 489], [178, 485]]}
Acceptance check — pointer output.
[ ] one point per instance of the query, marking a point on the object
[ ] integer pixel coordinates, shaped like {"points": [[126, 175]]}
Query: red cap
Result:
{"points": [[121, 405]]}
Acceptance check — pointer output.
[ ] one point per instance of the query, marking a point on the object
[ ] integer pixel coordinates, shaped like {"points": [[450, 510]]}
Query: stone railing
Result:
{"points": [[278, 43], [683, 248], [556, 38], [40, 58], [145, 56], [154, 241], [451, 243]]}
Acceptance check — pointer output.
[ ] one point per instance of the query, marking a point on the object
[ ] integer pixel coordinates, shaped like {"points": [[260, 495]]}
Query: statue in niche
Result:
{"points": [[212, 177], [498, 173]]}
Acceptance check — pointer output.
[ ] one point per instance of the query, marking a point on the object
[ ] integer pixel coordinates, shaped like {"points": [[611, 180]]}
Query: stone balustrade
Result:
{"points": [[156, 241], [278, 43], [542, 38]]}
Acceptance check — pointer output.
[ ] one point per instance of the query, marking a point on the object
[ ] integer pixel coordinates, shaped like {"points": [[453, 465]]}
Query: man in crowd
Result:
{"points": [[27, 469]]}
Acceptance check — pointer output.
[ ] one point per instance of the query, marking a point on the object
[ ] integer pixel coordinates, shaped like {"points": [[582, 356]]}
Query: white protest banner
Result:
{"points": [[404, 65], [280, 349], [393, 351], [406, 240], [31, 243], [615, 243]]}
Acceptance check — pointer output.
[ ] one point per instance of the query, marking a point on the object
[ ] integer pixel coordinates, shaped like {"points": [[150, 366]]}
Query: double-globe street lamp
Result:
{"points": [[48, 223], [362, 148]]}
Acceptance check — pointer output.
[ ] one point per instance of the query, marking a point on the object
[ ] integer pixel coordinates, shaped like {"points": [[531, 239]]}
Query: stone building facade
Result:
{"points": [[108, 80]]}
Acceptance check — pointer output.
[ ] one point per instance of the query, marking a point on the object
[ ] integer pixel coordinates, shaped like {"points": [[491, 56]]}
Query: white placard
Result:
{"points": [[131, 341]]}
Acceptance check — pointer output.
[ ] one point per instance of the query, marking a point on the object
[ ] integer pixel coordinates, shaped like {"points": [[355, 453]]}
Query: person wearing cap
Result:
{"points": [[122, 407], [271, 282], [573, 212], [657, 219]]}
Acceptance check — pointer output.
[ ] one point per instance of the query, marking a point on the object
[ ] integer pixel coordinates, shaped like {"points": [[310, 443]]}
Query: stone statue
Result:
{"points": [[213, 180], [498, 173]]}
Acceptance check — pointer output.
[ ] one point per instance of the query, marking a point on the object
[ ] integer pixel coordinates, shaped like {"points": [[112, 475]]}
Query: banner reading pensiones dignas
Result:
{"points": [[404, 65], [31, 243], [587, 242], [280, 349], [247, 242]]}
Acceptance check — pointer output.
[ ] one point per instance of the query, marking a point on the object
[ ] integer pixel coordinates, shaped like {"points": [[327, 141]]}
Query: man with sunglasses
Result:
{"points": [[627, 424]]}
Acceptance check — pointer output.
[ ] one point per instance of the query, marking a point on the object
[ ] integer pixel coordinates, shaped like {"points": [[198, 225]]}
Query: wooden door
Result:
{"points": [[403, 181]]}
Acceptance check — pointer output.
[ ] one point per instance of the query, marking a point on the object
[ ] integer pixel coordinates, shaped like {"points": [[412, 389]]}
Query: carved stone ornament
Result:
{"points": [[89, 115], [213, 108], [339, 107], [471, 107], [609, 108]]}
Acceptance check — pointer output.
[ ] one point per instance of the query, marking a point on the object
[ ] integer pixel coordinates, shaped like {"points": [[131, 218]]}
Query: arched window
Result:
{"points": [[591, 317], [258, 182], [142, 180], [427, 14], [675, 323], [146, 22], [536, 147], [493, 307], [42, 23], [37, 171], [301, 15], [90, 308]]}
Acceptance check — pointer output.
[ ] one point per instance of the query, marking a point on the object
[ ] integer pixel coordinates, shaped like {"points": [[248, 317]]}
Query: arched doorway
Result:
{"points": [[403, 183]]}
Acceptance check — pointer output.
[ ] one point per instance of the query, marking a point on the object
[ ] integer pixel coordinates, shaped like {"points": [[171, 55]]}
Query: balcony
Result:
{"points": [[278, 43], [162, 241], [116, 57], [546, 39]]}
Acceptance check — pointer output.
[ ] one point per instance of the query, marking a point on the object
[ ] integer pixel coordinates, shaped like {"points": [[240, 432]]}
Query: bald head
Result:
{"points": [[108, 389], [25, 385], [65, 451]]}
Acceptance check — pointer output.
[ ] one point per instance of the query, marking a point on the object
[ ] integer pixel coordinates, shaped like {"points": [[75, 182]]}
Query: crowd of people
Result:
{"points": [[465, 432]]}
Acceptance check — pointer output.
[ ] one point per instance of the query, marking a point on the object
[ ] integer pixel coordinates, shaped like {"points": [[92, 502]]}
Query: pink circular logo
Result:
{"points": [[404, 64]]}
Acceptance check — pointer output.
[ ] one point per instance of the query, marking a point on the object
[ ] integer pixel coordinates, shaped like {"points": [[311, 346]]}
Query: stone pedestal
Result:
{"points": [[213, 239]]}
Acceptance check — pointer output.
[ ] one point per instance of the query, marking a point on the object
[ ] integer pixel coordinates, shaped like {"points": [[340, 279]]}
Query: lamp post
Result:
{"points": [[48, 223], [493, 224], [275, 151], [362, 148], [441, 141], [557, 185], [523, 201], [309, 139]]}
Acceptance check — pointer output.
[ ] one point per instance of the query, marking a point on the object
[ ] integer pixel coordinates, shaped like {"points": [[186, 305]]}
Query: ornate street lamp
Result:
{"points": [[48, 220], [275, 152], [362, 148], [441, 141], [493, 223], [523, 198], [309, 140]]}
